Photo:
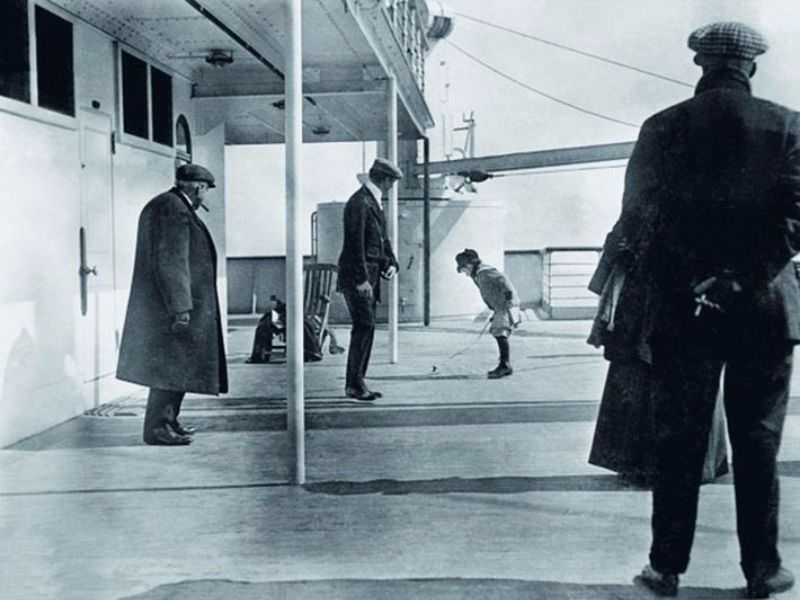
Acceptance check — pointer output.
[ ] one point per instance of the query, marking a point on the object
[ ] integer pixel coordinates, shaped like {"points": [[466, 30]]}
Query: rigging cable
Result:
{"points": [[540, 92], [610, 61]]}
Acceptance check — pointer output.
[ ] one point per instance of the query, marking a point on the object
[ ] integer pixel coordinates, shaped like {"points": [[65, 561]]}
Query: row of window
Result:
{"points": [[134, 100], [143, 117]]}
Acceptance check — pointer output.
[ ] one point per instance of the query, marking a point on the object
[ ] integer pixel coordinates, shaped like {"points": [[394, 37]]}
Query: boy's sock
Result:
{"points": [[505, 351]]}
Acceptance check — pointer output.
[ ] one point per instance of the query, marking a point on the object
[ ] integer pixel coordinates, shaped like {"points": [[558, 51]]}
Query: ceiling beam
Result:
{"points": [[255, 89]]}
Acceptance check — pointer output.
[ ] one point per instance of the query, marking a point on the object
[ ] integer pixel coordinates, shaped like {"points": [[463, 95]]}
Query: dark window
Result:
{"points": [[134, 95], [183, 140], [54, 62], [14, 64], [161, 100]]}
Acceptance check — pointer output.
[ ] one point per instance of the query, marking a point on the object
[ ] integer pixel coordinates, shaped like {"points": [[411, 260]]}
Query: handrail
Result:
{"points": [[562, 280]]}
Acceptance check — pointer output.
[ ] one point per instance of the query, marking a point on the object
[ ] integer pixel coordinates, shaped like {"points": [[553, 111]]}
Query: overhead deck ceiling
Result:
{"points": [[345, 49]]}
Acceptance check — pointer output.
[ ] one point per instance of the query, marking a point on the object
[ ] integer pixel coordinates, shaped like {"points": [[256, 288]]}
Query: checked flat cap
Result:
{"points": [[728, 38]]}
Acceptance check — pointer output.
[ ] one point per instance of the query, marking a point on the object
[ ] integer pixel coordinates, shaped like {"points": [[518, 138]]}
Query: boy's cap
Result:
{"points": [[465, 258]]}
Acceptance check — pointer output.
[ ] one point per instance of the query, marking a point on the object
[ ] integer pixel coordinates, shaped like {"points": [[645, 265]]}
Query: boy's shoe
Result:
{"points": [[501, 370], [662, 584], [762, 586]]}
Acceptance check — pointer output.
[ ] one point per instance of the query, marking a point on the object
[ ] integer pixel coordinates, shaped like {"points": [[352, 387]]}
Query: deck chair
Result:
{"points": [[318, 282]]}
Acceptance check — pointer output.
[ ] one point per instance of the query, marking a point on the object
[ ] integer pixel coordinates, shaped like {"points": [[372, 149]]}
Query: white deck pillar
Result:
{"points": [[391, 154], [294, 256]]}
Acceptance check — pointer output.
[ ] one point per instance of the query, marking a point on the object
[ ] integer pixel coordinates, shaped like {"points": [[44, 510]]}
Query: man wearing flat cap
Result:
{"points": [[366, 258], [172, 339], [712, 203]]}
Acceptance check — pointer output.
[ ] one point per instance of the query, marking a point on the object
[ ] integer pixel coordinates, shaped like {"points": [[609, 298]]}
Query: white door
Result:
{"points": [[96, 336]]}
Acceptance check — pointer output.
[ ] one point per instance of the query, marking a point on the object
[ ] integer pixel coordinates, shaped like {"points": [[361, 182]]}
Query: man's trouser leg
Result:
{"points": [[756, 396], [369, 339], [178, 403], [685, 391], [362, 315], [162, 407]]}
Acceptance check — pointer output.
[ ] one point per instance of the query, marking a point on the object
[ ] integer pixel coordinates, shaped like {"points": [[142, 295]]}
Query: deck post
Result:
{"points": [[294, 257], [391, 154]]}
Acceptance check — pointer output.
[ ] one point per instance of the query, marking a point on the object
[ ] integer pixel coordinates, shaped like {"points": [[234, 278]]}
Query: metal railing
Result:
{"points": [[410, 31], [566, 271]]}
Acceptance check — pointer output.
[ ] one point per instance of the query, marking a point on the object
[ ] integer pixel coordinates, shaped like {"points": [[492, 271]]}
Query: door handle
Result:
{"points": [[84, 272]]}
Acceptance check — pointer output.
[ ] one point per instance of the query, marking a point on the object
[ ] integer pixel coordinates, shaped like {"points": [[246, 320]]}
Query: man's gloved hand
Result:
{"points": [[718, 293], [180, 323], [623, 254], [364, 289], [389, 272]]}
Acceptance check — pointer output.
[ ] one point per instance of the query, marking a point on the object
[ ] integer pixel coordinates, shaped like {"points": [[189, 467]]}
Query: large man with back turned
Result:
{"points": [[721, 172]]}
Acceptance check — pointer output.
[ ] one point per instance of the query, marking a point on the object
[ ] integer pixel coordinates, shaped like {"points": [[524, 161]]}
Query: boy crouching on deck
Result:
{"points": [[500, 296]]}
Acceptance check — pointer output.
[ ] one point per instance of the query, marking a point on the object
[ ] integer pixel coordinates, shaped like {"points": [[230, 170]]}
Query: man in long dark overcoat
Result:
{"points": [[366, 257], [172, 339], [724, 169]]}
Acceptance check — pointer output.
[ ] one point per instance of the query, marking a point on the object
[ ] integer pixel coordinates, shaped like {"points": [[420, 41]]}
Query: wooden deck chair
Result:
{"points": [[318, 282]]}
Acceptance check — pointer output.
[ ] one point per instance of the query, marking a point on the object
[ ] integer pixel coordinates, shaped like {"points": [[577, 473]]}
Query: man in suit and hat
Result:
{"points": [[172, 339], [722, 173], [366, 257]]}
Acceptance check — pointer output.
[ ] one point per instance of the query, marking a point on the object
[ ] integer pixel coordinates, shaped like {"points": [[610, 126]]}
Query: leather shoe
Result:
{"points": [[360, 395], [761, 586], [662, 584], [181, 429], [501, 370], [164, 436]]}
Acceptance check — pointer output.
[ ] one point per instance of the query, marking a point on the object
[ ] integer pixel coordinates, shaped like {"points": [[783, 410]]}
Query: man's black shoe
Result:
{"points": [[255, 360], [501, 370], [662, 584], [181, 429], [778, 581], [360, 395], [164, 436]]}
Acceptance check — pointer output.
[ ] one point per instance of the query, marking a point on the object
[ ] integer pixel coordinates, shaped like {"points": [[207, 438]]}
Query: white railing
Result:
{"points": [[410, 31], [565, 276]]}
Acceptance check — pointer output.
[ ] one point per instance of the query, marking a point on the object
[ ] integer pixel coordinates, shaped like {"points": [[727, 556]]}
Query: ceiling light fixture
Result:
{"points": [[219, 58]]}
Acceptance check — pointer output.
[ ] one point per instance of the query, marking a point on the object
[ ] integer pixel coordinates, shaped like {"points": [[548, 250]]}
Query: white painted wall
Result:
{"points": [[210, 152], [54, 362], [256, 193], [39, 378]]}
